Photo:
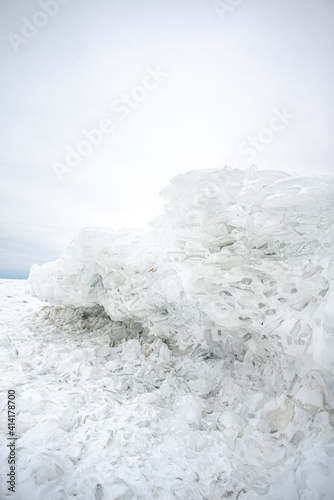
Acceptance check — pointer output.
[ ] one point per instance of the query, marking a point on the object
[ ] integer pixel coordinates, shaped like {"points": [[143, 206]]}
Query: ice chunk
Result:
{"points": [[189, 410], [231, 420], [277, 414], [310, 400]]}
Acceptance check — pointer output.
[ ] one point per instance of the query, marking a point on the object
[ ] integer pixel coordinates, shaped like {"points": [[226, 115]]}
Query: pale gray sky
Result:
{"points": [[172, 85]]}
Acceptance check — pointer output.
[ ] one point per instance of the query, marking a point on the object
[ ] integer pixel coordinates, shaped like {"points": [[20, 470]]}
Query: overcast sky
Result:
{"points": [[104, 101]]}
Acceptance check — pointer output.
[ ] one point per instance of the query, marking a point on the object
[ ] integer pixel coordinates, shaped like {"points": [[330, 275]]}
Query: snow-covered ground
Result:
{"points": [[214, 377]]}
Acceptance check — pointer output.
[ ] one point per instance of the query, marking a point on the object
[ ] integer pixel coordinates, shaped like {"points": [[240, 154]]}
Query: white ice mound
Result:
{"points": [[240, 260]]}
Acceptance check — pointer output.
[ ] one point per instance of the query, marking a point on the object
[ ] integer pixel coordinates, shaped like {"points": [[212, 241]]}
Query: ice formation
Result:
{"points": [[221, 327], [242, 259]]}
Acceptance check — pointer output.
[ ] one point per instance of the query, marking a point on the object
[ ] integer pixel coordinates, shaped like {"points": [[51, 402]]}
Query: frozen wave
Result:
{"points": [[241, 258]]}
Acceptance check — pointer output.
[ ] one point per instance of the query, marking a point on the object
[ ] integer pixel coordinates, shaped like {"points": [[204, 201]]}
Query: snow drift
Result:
{"points": [[240, 260]]}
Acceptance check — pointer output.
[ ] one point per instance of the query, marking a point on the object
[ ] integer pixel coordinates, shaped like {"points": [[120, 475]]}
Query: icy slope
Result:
{"points": [[241, 259], [106, 413]]}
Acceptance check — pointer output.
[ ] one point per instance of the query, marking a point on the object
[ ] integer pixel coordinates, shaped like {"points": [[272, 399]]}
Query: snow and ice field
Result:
{"points": [[192, 361]]}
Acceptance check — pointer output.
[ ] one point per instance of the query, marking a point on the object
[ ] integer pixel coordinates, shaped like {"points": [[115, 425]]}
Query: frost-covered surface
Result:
{"points": [[191, 361], [238, 257]]}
